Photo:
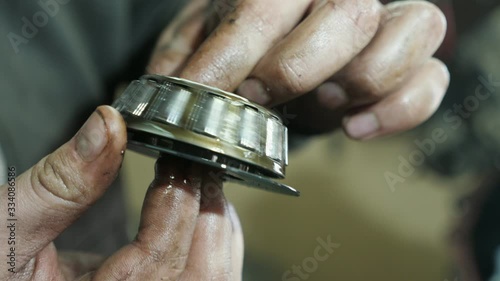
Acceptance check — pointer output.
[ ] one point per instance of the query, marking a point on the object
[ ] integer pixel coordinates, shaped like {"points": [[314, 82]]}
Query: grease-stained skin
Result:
{"points": [[351, 63], [355, 64], [187, 231]]}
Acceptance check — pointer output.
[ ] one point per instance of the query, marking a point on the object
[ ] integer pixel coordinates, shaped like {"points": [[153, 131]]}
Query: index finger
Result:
{"points": [[160, 249], [242, 38]]}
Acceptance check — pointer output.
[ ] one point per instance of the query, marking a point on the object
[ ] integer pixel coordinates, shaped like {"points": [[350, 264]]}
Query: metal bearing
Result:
{"points": [[207, 125]]}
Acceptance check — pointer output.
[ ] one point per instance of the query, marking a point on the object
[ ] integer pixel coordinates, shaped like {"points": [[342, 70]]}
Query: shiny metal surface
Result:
{"points": [[207, 125]]}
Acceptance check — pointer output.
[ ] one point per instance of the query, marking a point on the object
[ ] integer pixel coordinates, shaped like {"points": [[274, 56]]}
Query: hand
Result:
{"points": [[178, 238], [351, 63]]}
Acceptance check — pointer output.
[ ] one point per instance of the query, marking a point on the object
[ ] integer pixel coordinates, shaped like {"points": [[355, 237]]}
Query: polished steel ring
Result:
{"points": [[207, 125]]}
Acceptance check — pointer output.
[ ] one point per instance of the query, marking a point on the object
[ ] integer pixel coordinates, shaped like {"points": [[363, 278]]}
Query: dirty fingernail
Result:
{"points": [[255, 90], [92, 138], [361, 126]]}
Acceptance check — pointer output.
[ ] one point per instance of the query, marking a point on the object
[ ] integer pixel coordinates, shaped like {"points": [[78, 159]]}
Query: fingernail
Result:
{"points": [[331, 95], [92, 138], [254, 90], [362, 126]]}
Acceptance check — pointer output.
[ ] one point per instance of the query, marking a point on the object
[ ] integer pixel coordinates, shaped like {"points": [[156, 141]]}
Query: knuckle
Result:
{"points": [[177, 263], [364, 82], [219, 71], [52, 176], [262, 21], [289, 74], [370, 82], [175, 260], [363, 16]]}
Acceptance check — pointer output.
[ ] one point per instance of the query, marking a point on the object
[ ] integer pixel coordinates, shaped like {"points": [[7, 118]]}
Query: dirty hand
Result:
{"points": [[358, 64], [182, 235]]}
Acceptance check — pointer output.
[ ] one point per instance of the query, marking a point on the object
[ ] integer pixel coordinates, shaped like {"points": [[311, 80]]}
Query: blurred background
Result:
{"points": [[393, 209], [384, 234]]}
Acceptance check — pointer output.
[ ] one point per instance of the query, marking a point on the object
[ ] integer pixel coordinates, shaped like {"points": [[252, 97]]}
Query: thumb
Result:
{"points": [[57, 190]]}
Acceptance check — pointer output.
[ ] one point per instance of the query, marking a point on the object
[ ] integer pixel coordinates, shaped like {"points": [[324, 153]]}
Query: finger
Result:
{"points": [[43, 267], [210, 254], [237, 245], [244, 35], [168, 220], [308, 115], [321, 45], [179, 40], [57, 190], [406, 108], [75, 264], [406, 40]]}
